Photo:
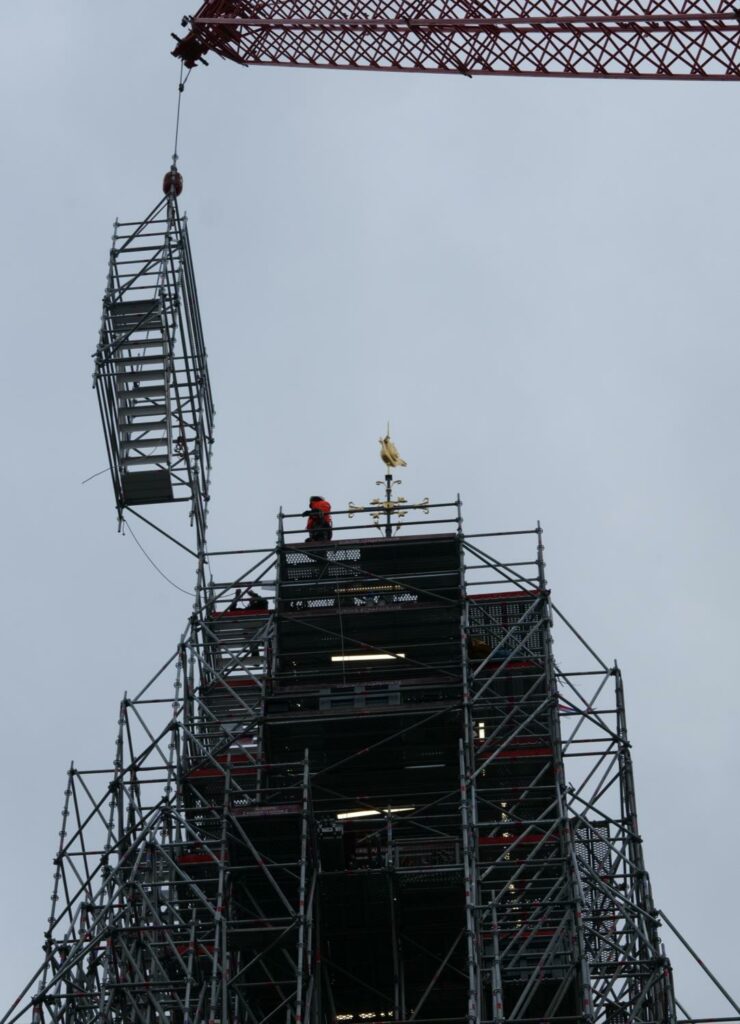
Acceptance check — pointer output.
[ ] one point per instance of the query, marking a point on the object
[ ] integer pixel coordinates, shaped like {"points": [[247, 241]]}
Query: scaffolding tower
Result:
{"points": [[362, 788], [379, 799]]}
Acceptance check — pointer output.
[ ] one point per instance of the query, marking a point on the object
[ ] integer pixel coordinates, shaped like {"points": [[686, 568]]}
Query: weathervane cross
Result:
{"points": [[390, 505]]}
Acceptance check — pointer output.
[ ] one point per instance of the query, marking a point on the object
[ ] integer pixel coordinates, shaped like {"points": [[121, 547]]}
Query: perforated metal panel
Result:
{"points": [[509, 625]]}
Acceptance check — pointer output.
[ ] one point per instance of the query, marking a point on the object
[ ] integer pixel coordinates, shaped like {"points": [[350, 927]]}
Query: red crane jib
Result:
{"points": [[682, 39]]}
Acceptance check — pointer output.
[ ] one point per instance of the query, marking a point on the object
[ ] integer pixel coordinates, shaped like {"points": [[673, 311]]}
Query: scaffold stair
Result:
{"points": [[141, 355]]}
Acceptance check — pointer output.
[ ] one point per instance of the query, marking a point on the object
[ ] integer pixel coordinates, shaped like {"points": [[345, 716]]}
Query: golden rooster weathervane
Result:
{"points": [[388, 451], [389, 506]]}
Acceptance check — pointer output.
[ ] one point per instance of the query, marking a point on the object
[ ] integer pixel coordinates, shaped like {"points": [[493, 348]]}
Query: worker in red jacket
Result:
{"points": [[319, 518]]}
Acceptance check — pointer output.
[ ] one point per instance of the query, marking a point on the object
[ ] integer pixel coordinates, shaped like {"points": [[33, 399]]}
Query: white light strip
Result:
{"points": [[379, 1015], [366, 657], [372, 814]]}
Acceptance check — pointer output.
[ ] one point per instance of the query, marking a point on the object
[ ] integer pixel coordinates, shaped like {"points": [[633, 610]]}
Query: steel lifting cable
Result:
{"points": [[180, 90]]}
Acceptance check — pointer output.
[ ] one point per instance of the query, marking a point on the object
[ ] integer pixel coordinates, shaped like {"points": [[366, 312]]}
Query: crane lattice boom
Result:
{"points": [[682, 39]]}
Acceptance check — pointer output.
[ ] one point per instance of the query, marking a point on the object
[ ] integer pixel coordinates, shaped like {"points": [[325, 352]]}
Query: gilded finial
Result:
{"points": [[388, 451]]}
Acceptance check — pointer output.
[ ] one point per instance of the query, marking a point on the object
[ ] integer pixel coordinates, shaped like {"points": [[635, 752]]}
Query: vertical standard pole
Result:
{"points": [[469, 814], [575, 894], [190, 975], [270, 662], [222, 908], [219, 1000], [118, 795], [399, 1007], [169, 314], [469, 876], [58, 861], [662, 1004], [497, 983], [300, 974]]}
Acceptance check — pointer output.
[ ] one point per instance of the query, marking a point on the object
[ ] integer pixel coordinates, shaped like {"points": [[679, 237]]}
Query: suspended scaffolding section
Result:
{"points": [[151, 373]]}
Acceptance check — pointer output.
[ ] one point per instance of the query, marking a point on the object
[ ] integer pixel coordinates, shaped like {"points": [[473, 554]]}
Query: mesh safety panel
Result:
{"points": [[595, 858], [509, 626]]}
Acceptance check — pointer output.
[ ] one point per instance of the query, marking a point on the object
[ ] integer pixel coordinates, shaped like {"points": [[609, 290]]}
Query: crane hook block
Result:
{"points": [[190, 50], [172, 180]]}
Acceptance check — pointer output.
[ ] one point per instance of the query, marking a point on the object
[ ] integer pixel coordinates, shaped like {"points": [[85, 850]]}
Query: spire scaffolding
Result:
{"points": [[379, 799]]}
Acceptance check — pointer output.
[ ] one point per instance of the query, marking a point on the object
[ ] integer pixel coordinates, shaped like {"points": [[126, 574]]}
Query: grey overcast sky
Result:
{"points": [[534, 280]]}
